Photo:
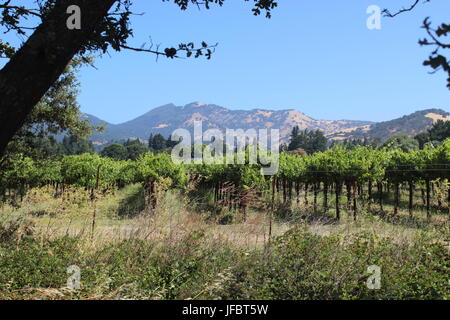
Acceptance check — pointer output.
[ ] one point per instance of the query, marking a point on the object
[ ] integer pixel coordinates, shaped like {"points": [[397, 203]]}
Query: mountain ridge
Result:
{"points": [[166, 118], [410, 125]]}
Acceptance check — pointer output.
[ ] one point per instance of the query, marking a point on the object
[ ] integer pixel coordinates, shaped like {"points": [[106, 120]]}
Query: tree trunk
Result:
{"points": [[26, 78], [325, 197]]}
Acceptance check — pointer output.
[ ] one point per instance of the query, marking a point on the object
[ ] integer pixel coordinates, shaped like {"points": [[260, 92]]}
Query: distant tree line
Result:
{"points": [[435, 135], [301, 141], [48, 146], [310, 141], [132, 149]]}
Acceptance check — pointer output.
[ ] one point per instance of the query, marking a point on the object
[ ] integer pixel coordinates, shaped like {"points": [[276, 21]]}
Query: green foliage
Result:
{"points": [[135, 149], [160, 166], [293, 167], [310, 141], [439, 131], [115, 151], [157, 142], [81, 170], [242, 176], [6, 50], [441, 160], [297, 265], [74, 145], [37, 265], [422, 139], [353, 143], [402, 142], [307, 266], [336, 165]]}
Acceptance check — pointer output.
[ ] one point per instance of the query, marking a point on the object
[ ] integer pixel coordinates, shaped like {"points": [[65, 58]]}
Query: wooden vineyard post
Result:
{"points": [[448, 199], [316, 191], [355, 203], [325, 196], [411, 196], [272, 205], [428, 199], [306, 195], [396, 197], [380, 195], [94, 202], [338, 193]]}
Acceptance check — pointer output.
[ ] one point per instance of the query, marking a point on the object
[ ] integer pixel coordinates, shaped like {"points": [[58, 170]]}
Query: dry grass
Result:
{"points": [[171, 221], [174, 219], [164, 234]]}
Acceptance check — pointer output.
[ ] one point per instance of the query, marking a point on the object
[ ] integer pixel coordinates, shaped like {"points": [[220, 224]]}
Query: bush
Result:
{"points": [[302, 265], [297, 265]]}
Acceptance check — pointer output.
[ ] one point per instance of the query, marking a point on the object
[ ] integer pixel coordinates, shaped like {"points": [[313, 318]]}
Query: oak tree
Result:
{"points": [[50, 45]]}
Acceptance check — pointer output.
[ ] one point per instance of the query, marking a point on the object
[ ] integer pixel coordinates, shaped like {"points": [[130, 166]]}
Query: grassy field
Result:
{"points": [[184, 251]]}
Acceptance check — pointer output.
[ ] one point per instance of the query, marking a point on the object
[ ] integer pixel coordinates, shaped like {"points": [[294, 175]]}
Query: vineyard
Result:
{"points": [[104, 197], [152, 229], [365, 177]]}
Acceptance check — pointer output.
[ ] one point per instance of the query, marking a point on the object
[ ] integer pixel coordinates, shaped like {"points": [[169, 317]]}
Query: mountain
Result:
{"points": [[410, 125], [167, 118]]}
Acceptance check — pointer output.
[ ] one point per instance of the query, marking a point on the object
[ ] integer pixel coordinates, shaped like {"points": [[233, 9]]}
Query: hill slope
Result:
{"points": [[167, 118], [410, 125]]}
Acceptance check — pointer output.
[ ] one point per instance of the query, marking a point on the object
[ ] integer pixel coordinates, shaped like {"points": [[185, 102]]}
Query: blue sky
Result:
{"points": [[314, 56]]}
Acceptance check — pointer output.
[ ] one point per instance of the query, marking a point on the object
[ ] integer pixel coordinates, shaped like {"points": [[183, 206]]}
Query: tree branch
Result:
{"points": [[388, 14], [189, 49]]}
